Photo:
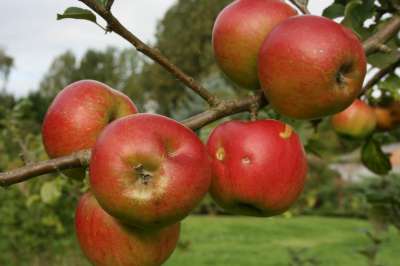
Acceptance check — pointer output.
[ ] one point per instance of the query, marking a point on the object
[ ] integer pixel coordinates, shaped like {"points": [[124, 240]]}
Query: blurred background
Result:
{"points": [[346, 216]]}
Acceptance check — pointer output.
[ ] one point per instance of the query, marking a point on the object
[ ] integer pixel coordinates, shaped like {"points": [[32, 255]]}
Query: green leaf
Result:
{"points": [[31, 200], [78, 13], [381, 59], [52, 220], [374, 159], [356, 13], [50, 192], [334, 11], [391, 85], [102, 2]]}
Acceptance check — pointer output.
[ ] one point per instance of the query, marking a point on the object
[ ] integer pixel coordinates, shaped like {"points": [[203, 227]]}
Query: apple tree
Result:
{"points": [[299, 69]]}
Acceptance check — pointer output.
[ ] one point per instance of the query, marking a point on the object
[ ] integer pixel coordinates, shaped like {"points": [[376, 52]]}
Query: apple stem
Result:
{"points": [[254, 107]]}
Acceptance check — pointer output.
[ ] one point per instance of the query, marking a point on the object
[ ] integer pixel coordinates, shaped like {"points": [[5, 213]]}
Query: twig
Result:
{"points": [[25, 173], [374, 43], [115, 26], [380, 74], [302, 8], [109, 4], [82, 158]]}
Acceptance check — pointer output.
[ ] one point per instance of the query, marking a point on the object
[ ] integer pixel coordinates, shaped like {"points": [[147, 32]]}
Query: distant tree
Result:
{"points": [[190, 49], [117, 68], [6, 63]]}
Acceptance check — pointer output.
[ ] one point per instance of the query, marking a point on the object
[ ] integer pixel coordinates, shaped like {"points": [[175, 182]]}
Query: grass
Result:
{"points": [[243, 241]]}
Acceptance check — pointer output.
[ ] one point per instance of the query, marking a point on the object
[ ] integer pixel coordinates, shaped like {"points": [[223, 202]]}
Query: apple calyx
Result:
{"points": [[143, 174], [287, 133], [341, 75]]}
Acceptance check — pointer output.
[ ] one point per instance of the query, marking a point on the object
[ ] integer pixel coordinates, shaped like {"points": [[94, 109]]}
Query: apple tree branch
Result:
{"points": [[115, 26], [218, 108]]}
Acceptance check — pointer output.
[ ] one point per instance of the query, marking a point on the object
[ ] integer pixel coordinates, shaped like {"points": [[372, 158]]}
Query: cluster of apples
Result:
{"points": [[360, 120], [308, 66], [148, 172]]}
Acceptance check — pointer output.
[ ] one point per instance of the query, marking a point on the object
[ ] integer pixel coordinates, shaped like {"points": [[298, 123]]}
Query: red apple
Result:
{"points": [[78, 114], [384, 119], [357, 121], [311, 67], [259, 168], [148, 170], [107, 242], [238, 33]]}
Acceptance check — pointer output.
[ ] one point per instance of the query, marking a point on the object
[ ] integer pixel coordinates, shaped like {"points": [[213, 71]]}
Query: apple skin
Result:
{"points": [[149, 170], [79, 113], [311, 67], [384, 120], [259, 168], [107, 242], [238, 33], [357, 121], [77, 116]]}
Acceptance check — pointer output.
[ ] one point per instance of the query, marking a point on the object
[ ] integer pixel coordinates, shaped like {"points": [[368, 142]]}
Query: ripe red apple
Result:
{"points": [[148, 170], [259, 168], [107, 242], [357, 121], [311, 67], [238, 33], [78, 114], [384, 119]]}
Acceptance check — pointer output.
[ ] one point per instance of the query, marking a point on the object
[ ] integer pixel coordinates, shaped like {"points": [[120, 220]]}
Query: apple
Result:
{"points": [[238, 33], [357, 121], [107, 242], [77, 116], [149, 170], [384, 120], [311, 67], [259, 168]]}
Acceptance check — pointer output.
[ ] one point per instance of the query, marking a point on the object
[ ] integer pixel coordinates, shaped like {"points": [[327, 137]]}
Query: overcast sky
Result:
{"points": [[30, 33]]}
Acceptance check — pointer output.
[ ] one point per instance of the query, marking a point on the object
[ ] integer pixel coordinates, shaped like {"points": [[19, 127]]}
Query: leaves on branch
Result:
{"points": [[356, 13], [380, 59], [374, 159], [78, 13], [335, 10]]}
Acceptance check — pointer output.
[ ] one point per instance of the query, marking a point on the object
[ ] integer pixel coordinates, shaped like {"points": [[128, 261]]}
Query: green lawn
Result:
{"points": [[243, 241]]}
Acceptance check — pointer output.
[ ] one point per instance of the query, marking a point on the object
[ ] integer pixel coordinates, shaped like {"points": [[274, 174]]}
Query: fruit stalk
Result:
{"points": [[115, 26]]}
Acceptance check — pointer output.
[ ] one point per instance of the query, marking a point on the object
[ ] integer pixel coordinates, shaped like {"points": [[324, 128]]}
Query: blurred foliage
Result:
{"points": [[384, 196], [117, 68], [36, 216], [189, 49], [6, 64]]}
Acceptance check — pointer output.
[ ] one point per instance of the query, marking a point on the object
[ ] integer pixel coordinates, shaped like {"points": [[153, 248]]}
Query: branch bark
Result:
{"points": [[373, 43], [25, 173], [115, 26], [301, 7], [82, 158], [380, 74], [109, 4]]}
